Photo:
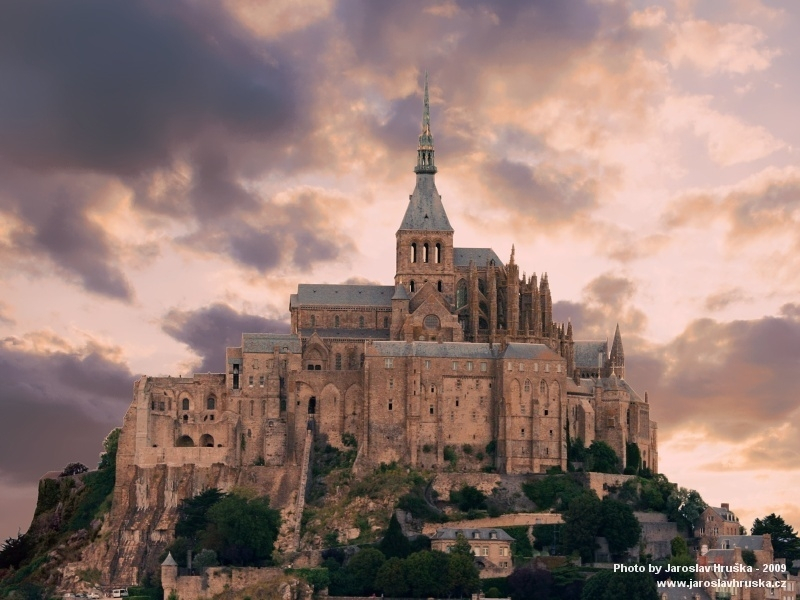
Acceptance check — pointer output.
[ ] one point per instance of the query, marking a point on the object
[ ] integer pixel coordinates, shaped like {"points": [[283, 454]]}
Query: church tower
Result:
{"points": [[425, 236]]}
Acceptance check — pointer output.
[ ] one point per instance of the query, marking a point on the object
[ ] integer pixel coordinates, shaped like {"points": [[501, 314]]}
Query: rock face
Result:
{"points": [[144, 509]]}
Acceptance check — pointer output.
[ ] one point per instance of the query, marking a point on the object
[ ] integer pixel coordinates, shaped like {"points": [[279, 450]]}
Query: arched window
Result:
{"points": [[206, 441], [461, 294], [439, 285], [542, 388], [414, 252], [425, 253], [211, 403], [412, 286], [184, 442], [438, 253], [312, 405], [185, 404]]}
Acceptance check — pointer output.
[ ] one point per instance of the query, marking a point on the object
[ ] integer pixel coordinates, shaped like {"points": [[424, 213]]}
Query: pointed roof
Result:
{"points": [[400, 293], [617, 356], [169, 561], [425, 210]]}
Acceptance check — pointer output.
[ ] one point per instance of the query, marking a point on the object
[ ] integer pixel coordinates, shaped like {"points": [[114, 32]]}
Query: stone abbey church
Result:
{"points": [[459, 351]]}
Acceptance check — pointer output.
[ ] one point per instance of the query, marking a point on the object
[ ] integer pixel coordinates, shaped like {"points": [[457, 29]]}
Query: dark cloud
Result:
{"points": [[723, 299], [209, 330], [57, 404], [118, 87], [733, 379]]}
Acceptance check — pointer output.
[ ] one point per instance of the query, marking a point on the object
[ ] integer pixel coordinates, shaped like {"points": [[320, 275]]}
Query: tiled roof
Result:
{"points": [[425, 209], [529, 351], [350, 334], [586, 353], [309, 294], [436, 349], [483, 533], [480, 256], [265, 342]]}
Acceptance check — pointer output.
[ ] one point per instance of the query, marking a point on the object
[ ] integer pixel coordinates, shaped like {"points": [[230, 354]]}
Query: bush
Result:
{"points": [[467, 448], [427, 448], [75, 468], [349, 440], [449, 454]]}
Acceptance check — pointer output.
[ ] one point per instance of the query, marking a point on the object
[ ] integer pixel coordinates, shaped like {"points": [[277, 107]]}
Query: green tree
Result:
{"points": [[74, 468], [582, 521], [602, 458], [15, 551], [462, 575], [394, 542], [607, 585], [684, 506], [679, 546], [469, 498], [205, 558], [391, 578], [461, 547], [619, 526], [362, 569], [633, 457], [242, 532], [553, 491], [424, 572], [531, 584], [108, 459], [193, 513], [785, 542]]}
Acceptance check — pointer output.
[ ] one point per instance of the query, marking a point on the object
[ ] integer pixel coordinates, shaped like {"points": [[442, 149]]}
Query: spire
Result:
{"points": [[617, 356], [425, 162], [512, 254]]}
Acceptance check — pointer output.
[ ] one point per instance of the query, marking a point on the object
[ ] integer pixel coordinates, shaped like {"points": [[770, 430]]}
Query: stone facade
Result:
{"points": [[461, 350], [491, 547]]}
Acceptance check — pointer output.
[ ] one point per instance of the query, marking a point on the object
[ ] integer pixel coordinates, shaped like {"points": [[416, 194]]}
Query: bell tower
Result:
{"points": [[425, 236]]}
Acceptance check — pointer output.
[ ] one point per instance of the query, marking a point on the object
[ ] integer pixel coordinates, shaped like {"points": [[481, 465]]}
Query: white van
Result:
{"points": [[119, 593]]}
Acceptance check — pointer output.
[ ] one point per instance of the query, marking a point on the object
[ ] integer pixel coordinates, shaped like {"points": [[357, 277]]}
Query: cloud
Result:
{"points": [[58, 402], [721, 300], [209, 330]]}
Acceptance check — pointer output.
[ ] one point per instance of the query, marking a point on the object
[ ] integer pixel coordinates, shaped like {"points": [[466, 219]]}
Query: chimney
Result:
{"points": [[726, 506]]}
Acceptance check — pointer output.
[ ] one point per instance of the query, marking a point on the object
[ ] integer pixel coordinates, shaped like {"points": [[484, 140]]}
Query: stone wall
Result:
{"points": [[514, 520], [216, 580]]}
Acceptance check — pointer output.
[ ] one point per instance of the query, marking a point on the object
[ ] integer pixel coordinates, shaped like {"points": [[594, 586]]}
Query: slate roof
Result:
{"points": [[724, 513], [169, 561], [322, 294], [437, 350], [425, 209], [480, 256], [350, 334], [529, 351], [265, 342], [400, 293], [586, 353], [484, 533], [745, 542]]}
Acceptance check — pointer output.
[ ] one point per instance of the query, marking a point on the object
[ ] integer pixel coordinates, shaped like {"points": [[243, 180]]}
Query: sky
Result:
{"points": [[169, 172]]}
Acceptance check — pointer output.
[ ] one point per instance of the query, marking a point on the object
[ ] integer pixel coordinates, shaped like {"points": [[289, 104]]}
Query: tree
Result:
{"points": [[679, 546], [684, 506], [424, 572], [785, 542], [15, 551], [468, 498], [362, 570], [461, 547], [462, 575], [205, 558], [391, 578], [242, 532], [582, 522], [619, 526], [607, 585], [193, 513], [633, 457], [108, 459], [75, 468], [602, 458], [531, 584], [394, 542]]}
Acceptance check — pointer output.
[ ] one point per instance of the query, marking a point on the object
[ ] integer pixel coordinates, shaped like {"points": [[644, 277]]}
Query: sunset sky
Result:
{"points": [[170, 171]]}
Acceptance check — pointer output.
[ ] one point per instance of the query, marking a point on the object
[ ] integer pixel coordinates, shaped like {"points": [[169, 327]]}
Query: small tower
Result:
{"points": [[616, 360], [169, 575], [512, 296]]}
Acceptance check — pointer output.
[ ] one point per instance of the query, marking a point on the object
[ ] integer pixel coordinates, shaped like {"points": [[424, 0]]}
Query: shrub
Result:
{"points": [[467, 448], [449, 454], [427, 448]]}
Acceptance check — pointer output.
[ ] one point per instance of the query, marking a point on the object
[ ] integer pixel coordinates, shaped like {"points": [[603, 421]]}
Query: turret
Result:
{"points": [[616, 360], [512, 296], [169, 575]]}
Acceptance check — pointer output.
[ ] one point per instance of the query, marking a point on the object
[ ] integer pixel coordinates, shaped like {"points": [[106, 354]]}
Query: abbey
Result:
{"points": [[460, 351]]}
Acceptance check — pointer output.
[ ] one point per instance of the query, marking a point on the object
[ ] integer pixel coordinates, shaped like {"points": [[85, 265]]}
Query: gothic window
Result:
{"points": [[438, 255], [439, 284], [482, 286], [542, 388], [336, 321], [414, 252], [338, 361], [411, 286], [185, 404], [425, 253], [386, 322], [461, 294], [211, 403], [236, 377], [313, 320], [431, 322]]}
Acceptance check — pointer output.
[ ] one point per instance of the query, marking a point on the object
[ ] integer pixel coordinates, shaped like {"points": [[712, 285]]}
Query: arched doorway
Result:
{"points": [[185, 442], [206, 441], [312, 405]]}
